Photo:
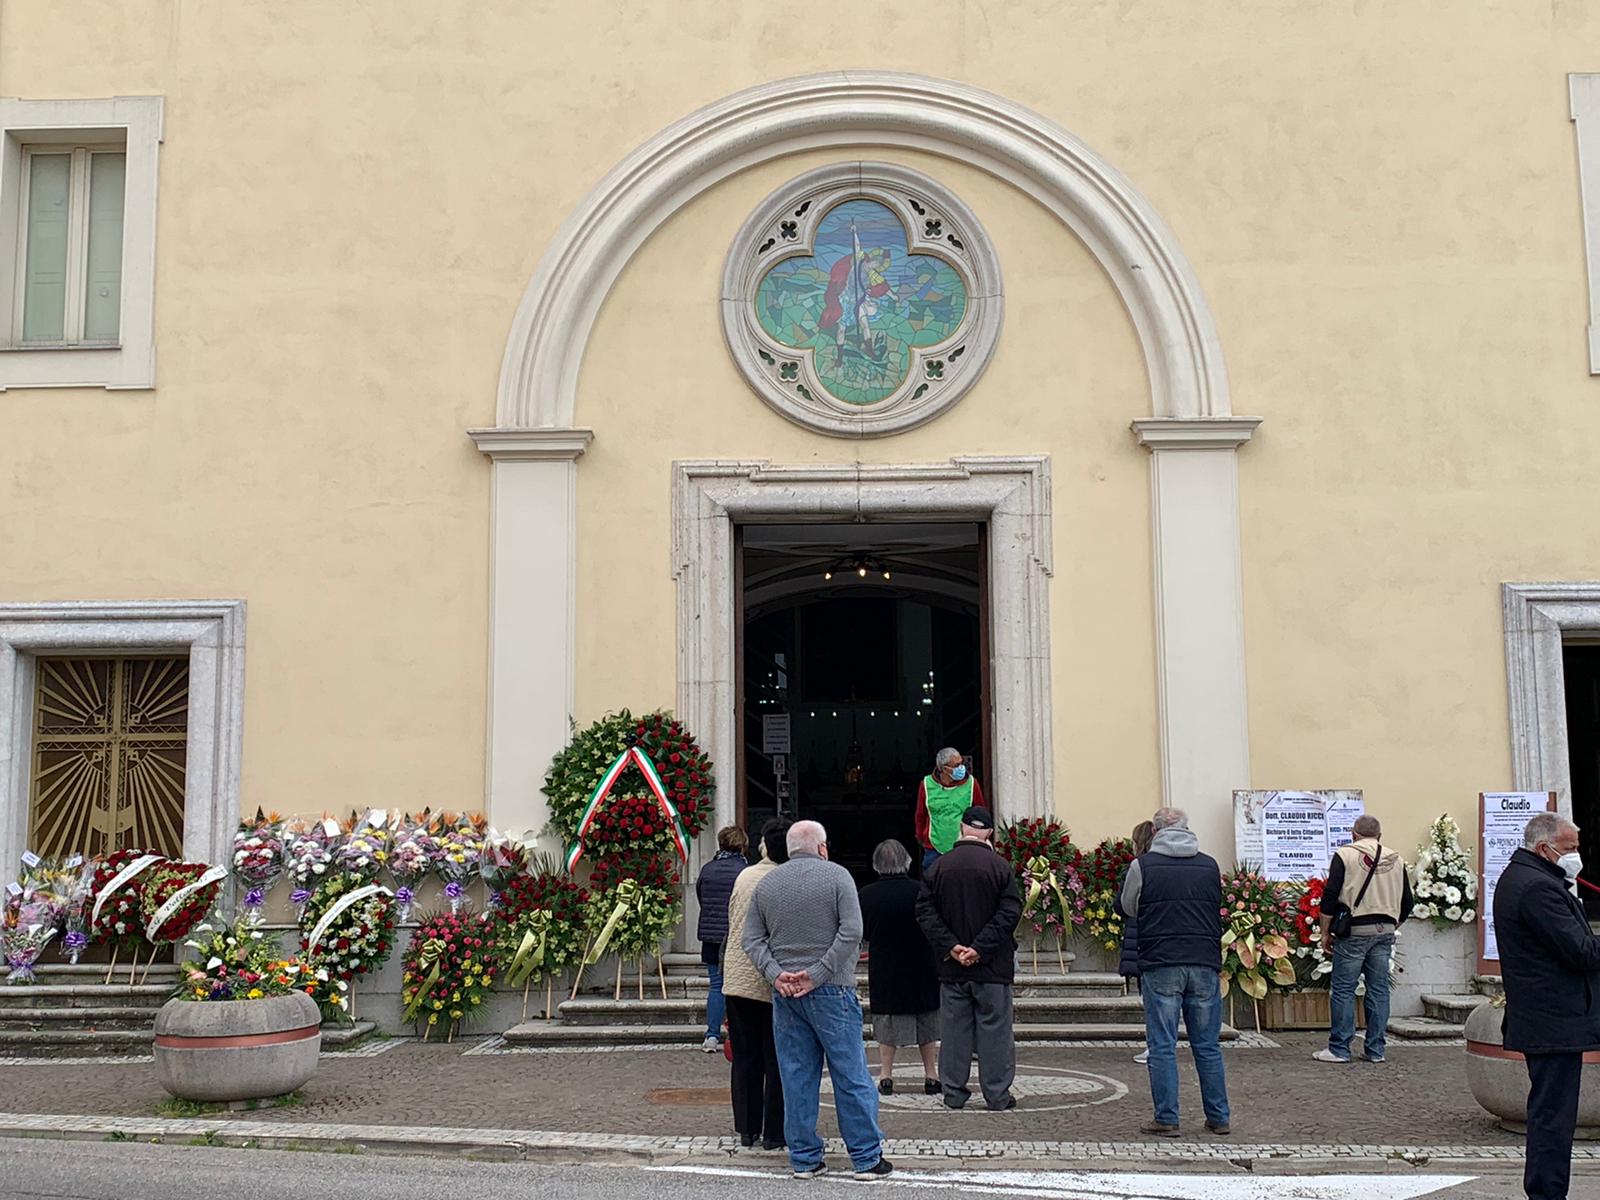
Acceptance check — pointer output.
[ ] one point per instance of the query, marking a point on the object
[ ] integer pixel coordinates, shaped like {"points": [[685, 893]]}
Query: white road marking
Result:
{"points": [[1129, 1185]]}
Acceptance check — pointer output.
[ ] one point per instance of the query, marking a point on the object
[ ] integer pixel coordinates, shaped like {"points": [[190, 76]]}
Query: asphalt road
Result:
{"points": [[61, 1170]]}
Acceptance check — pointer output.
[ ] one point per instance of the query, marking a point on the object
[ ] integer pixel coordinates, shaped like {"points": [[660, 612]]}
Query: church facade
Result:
{"points": [[1150, 404]]}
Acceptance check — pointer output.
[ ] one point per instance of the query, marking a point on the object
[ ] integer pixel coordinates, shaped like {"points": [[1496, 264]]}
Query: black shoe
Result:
{"points": [[877, 1170], [886, 1086], [747, 1140], [815, 1172], [1011, 1102], [770, 1147], [953, 1104], [931, 1087]]}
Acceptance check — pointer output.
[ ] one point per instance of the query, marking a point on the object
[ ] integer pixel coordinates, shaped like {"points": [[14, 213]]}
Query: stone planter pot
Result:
{"points": [[1499, 1077], [229, 1050]]}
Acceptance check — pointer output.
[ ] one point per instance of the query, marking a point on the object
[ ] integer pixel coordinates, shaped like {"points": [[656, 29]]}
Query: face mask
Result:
{"points": [[958, 772], [1572, 864]]}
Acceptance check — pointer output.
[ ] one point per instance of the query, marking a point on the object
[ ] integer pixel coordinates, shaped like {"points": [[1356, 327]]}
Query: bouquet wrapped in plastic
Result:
{"points": [[31, 919], [75, 917], [413, 852], [258, 856], [502, 861], [460, 854], [366, 846], [310, 849]]}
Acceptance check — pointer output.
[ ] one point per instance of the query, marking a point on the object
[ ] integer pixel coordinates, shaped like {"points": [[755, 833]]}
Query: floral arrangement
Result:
{"points": [[538, 930], [365, 848], [75, 916], [1256, 922], [1105, 868], [310, 851], [118, 922], [258, 856], [460, 842], [352, 921], [1445, 887], [631, 920], [1038, 837], [28, 922], [503, 861], [171, 881], [648, 867], [239, 962], [412, 858], [449, 970], [1311, 965], [631, 818], [1049, 871]]}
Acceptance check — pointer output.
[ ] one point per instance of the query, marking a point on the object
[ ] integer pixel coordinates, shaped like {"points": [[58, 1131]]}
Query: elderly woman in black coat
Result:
{"points": [[901, 978]]}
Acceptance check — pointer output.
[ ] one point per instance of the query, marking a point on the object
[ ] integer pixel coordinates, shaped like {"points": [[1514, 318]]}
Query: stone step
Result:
{"points": [[338, 1036], [82, 995], [558, 1033], [127, 1017], [1454, 1009], [649, 1011], [1074, 983], [1488, 985], [56, 1043], [1026, 1010], [1076, 1010], [1424, 1029]]}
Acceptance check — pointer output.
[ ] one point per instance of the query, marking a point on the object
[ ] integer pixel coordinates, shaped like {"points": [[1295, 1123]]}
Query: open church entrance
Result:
{"points": [[863, 651]]}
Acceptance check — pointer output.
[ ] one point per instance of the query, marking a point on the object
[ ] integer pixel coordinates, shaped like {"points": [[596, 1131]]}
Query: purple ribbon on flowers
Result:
{"points": [[77, 940], [494, 899], [453, 889], [404, 895], [255, 898], [299, 896]]}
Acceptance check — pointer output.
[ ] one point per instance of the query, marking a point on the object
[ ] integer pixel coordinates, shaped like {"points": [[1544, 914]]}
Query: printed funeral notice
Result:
{"points": [[1504, 816], [1293, 834]]}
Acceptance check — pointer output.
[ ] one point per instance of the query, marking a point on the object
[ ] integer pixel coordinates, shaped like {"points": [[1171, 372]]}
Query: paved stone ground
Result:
{"points": [[1082, 1095]]}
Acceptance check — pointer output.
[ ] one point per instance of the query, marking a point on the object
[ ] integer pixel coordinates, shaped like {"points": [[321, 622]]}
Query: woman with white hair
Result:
{"points": [[902, 979]]}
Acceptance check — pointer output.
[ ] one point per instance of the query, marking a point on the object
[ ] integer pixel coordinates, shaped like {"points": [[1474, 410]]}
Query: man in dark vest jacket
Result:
{"points": [[1550, 962], [968, 910], [1175, 893]]}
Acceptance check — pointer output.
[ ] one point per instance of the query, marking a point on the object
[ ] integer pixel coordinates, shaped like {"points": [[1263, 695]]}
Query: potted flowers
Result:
{"points": [[244, 1024]]}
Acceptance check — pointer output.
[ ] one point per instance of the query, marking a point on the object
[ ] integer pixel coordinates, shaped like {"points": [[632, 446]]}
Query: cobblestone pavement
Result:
{"points": [[1279, 1096]]}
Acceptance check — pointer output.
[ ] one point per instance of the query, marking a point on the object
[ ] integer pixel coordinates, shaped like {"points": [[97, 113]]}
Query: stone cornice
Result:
{"points": [[1195, 433], [532, 445]]}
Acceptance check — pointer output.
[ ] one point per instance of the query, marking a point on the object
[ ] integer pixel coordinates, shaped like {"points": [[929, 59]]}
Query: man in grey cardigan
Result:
{"points": [[803, 933]]}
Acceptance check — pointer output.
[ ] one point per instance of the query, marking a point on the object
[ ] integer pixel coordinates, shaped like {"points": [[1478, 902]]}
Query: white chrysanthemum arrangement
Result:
{"points": [[1445, 886]]}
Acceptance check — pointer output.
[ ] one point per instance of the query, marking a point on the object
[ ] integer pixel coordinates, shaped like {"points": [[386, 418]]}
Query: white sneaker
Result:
{"points": [[1328, 1056], [1142, 1057], [711, 1045]]}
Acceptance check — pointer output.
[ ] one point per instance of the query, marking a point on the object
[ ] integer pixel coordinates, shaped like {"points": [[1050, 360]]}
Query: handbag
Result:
{"points": [[1339, 927]]}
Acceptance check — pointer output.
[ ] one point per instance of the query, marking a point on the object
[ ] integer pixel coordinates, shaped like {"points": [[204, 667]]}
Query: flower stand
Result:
{"points": [[229, 1050]]}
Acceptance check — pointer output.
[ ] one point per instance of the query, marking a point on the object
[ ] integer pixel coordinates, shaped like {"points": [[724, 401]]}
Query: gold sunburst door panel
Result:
{"points": [[110, 752]]}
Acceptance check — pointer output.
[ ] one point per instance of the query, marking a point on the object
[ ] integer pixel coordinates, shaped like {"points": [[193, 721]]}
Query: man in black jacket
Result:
{"points": [[968, 910], [1550, 962]]}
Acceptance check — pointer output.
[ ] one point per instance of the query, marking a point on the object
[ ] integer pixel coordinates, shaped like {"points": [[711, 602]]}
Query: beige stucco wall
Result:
{"points": [[1381, 205]]}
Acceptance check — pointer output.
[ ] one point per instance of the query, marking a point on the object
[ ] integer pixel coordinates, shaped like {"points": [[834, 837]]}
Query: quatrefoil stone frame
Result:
{"points": [[936, 223]]}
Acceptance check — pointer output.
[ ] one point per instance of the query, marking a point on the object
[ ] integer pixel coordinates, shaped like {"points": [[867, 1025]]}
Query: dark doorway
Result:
{"points": [[862, 654], [1581, 668]]}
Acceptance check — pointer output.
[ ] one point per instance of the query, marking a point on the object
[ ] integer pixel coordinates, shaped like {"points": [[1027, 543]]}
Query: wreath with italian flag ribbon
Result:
{"points": [[629, 783]]}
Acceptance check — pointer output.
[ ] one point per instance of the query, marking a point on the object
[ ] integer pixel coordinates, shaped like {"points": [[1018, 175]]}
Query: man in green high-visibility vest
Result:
{"points": [[941, 799]]}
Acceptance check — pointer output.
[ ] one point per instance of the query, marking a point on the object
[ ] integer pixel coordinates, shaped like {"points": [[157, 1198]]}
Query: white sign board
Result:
{"points": [[1504, 814], [775, 734], [1293, 835]]}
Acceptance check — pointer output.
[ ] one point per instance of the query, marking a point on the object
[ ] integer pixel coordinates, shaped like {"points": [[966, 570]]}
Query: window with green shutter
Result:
{"points": [[70, 282]]}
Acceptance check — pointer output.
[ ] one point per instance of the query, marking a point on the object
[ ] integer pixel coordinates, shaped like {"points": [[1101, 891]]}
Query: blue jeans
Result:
{"points": [[1354, 957], [825, 1023], [1195, 993], [716, 1006], [929, 857]]}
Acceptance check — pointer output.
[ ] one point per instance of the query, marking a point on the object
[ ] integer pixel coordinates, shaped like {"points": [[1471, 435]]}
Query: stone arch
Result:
{"points": [[852, 109]]}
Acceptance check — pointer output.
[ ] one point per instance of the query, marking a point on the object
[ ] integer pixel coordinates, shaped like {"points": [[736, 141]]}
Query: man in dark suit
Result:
{"points": [[1550, 962]]}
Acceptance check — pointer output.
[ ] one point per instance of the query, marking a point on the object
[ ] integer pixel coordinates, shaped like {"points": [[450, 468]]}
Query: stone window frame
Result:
{"points": [[211, 631], [1538, 618], [785, 223], [139, 121]]}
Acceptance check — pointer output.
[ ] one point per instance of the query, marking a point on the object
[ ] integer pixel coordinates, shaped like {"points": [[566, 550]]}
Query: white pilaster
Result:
{"points": [[532, 601], [1200, 668]]}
